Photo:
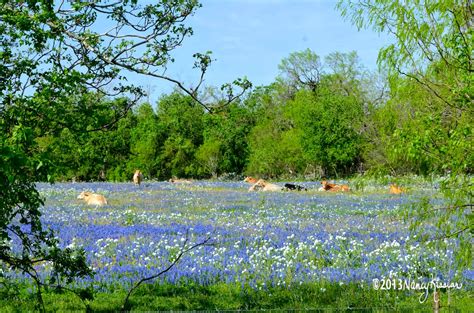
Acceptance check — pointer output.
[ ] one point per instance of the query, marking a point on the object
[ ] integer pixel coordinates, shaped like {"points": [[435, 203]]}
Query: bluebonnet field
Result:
{"points": [[258, 239]]}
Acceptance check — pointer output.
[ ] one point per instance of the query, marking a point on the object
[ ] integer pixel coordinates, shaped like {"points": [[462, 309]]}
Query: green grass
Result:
{"points": [[327, 297]]}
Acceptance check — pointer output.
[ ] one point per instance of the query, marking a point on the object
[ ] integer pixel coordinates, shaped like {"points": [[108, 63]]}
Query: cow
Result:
{"points": [[137, 177], [253, 181], [396, 190], [250, 180], [263, 185], [289, 186], [175, 180], [92, 198], [334, 187]]}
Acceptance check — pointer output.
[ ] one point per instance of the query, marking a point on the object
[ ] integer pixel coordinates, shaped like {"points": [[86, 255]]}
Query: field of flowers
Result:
{"points": [[258, 239]]}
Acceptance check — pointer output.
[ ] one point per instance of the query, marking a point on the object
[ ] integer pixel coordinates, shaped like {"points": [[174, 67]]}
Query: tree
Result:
{"points": [[209, 156], [274, 152], [275, 148], [229, 131], [329, 125], [95, 155], [301, 69], [433, 44], [145, 140], [59, 61], [346, 72], [180, 123], [119, 165], [310, 121]]}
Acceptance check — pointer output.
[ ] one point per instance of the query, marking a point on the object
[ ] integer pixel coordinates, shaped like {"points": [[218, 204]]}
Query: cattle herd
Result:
{"points": [[256, 185]]}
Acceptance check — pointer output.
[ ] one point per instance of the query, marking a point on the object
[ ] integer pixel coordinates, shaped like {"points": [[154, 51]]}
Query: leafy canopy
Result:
{"points": [[433, 49], [61, 61]]}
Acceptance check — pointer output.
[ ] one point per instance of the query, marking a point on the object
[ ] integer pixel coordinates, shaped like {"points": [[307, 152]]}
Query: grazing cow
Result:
{"points": [[137, 177], [175, 180], [250, 180], [334, 187], [395, 190], [294, 187], [92, 198], [265, 186]]}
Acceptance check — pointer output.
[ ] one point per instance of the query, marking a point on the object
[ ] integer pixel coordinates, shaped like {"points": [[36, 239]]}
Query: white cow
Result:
{"points": [[137, 177], [263, 185], [92, 198]]}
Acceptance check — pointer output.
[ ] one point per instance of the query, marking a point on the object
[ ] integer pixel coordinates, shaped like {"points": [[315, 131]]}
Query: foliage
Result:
{"points": [[302, 69], [229, 130], [323, 296], [180, 121], [60, 119], [430, 65], [316, 127], [329, 125], [20, 216], [57, 69], [144, 141], [341, 128], [433, 43], [209, 156], [274, 151]]}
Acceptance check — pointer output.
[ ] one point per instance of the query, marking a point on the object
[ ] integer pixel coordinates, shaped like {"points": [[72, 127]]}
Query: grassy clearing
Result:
{"points": [[329, 297]]}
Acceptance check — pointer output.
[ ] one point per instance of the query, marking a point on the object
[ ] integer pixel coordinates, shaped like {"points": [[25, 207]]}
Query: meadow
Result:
{"points": [[270, 250]]}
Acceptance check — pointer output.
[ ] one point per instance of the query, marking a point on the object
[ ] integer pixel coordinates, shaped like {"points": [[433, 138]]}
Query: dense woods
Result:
{"points": [[322, 117]]}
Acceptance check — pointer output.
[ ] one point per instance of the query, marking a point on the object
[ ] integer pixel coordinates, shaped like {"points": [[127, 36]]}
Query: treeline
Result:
{"points": [[320, 118]]}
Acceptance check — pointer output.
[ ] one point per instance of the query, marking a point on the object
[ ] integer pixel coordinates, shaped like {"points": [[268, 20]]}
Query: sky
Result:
{"points": [[251, 37]]}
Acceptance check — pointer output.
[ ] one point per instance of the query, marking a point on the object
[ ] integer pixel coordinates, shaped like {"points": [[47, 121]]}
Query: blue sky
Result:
{"points": [[251, 37]]}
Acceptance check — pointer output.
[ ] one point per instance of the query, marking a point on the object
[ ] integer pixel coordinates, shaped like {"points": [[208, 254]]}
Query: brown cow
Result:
{"points": [[250, 180], [334, 187], [396, 190], [92, 198]]}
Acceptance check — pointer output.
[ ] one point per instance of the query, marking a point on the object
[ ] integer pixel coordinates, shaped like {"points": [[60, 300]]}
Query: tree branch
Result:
{"points": [[182, 252]]}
